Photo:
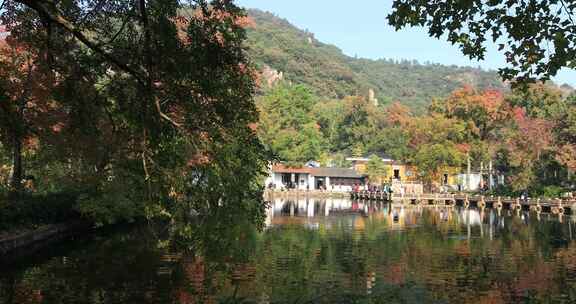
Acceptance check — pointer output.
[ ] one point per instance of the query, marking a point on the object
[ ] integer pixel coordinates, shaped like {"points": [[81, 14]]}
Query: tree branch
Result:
{"points": [[88, 14], [47, 10], [53, 15], [567, 11], [117, 33], [150, 65]]}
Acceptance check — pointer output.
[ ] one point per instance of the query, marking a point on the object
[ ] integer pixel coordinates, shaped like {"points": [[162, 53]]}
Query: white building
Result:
{"points": [[303, 178]]}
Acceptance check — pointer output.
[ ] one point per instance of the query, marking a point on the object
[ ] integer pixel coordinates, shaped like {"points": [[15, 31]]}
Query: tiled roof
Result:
{"points": [[323, 172], [279, 168], [335, 172]]}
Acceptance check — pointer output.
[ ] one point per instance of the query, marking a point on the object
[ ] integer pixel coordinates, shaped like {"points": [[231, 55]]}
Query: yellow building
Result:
{"points": [[450, 176], [405, 173], [395, 170]]}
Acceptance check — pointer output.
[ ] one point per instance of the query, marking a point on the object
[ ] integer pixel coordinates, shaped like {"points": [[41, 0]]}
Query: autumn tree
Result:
{"points": [[25, 107], [437, 144], [528, 143], [484, 114], [162, 91], [483, 111]]}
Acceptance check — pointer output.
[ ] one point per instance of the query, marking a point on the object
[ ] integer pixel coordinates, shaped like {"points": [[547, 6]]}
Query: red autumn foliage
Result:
{"points": [[398, 114], [531, 138]]}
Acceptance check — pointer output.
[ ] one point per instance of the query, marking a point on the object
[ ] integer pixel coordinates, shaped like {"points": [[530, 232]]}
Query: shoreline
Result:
{"points": [[41, 236], [268, 194]]}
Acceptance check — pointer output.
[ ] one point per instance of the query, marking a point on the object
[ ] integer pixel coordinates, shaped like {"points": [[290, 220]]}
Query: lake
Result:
{"points": [[316, 251]]}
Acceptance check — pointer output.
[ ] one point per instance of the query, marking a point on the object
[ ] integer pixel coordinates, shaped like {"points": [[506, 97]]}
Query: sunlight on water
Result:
{"points": [[319, 251]]}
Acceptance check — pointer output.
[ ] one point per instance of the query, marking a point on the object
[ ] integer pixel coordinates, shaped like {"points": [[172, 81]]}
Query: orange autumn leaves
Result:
{"points": [[213, 15], [27, 108], [525, 129]]}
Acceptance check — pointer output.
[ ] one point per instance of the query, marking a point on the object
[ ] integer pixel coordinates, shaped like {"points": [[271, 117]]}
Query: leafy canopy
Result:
{"points": [[156, 100], [538, 36]]}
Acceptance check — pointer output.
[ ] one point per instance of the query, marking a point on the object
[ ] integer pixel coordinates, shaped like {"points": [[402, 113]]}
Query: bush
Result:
{"points": [[548, 191], [503, 190], [31, 211]]}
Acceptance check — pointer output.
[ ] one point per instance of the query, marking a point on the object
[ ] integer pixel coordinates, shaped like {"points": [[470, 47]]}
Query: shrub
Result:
{"points": [[31, 211]]}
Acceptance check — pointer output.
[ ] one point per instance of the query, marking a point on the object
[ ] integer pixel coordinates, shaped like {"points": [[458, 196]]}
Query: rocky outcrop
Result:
{"points": [[271, 76]]}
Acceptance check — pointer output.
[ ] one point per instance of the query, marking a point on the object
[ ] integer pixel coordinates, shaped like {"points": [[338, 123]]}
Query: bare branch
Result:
{"points": [[163, 115]]}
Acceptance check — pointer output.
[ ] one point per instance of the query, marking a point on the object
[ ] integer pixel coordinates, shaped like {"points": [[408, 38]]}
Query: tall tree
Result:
{"points": [[437, 144], [287, 124], [25, 102], [165, 88], [528, 142]]}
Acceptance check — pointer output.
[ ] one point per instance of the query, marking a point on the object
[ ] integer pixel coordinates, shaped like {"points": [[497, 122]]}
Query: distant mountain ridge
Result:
{"points": [[296, 56]]}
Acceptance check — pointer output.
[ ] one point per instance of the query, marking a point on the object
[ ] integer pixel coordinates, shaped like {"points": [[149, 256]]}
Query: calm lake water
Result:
{"points": [[317, 251]]}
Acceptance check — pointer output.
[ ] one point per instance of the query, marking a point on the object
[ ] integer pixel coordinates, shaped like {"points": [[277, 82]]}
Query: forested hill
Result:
{"points": [[275, 43]]}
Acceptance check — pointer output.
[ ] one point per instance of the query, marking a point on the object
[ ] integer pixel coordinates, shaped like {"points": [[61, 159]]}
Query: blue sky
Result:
{"points": [[360, 29]]}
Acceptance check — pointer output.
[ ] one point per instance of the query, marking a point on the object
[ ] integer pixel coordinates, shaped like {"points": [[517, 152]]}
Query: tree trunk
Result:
{"points": [[17, 168]]}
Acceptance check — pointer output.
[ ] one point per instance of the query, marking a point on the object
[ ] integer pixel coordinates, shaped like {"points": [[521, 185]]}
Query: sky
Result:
{"points": [[360, 29]]}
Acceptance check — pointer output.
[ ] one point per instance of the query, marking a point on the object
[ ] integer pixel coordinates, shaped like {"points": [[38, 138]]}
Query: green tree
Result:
{"points": [[434, 159], [437, 143], [329, 116], [354, 130], [376, 170], [339, 161], [537, 36], [540, 100], [288, 126]]}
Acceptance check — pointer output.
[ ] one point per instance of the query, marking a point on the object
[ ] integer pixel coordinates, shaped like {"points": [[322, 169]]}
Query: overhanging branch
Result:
{"points": [[46, 9]]}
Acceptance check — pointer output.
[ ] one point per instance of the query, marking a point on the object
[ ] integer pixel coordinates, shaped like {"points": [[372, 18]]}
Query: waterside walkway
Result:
{"points": [[555, 206]]}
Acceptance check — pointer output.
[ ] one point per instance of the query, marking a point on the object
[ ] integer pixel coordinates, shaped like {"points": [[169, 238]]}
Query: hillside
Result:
{"points": [[275, 43]]}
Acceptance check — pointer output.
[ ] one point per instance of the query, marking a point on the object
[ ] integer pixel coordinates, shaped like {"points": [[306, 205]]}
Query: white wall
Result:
{"points": [[303, 180], [301, 183], [475, 179]]}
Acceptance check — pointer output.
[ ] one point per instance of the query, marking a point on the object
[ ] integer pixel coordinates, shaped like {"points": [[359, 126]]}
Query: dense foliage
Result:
{"points": [[538, 37], [525, 135], [28, 212], [141, 107], [275, 43]]}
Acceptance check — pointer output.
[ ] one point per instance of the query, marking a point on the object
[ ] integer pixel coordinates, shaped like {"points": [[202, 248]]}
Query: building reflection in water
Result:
{"points": [[477, 222], [321, 251]]}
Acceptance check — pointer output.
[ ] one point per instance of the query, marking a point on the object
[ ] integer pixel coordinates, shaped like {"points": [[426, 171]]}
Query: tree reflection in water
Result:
{"points": [[313, 251]]}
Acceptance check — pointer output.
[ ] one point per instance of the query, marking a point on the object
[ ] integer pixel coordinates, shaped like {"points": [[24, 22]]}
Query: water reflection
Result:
{"points": [[317, 251]]}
